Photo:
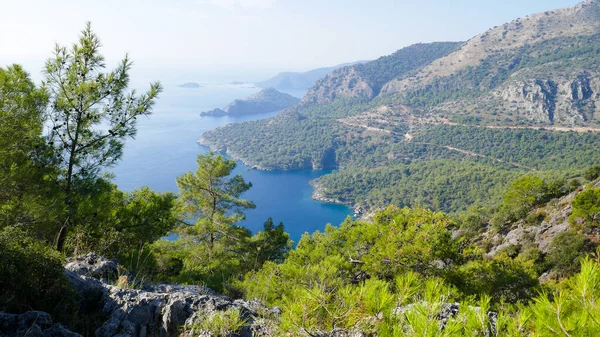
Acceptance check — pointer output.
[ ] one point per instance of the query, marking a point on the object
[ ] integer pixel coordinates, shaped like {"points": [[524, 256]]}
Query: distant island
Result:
{"points": [[191, 85], [266, 100], [299, 80], [237, 82]]}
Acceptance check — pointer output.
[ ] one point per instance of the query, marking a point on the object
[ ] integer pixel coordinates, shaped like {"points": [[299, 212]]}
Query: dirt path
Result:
{"points": [[474, 154], [370, 128]]}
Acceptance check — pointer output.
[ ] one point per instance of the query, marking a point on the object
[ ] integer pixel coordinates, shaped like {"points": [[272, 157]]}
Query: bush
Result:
{"points": [[566, 251], [31, 277], [586, 206], [592, 173]]}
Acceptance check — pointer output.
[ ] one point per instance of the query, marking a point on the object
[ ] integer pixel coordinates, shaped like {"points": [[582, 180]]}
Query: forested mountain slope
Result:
{"points": [[521, 97]]}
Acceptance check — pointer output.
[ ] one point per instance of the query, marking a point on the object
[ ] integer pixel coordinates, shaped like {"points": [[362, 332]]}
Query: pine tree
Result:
{"points": [[91, 113]]}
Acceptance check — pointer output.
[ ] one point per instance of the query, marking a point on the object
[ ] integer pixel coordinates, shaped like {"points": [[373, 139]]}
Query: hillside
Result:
{"points": [[364, 81], [463, 104], [266, 100], [299, 80]]}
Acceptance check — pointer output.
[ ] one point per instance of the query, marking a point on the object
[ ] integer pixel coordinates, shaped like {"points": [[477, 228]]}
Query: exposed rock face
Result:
{"points": [[93, 266], [266, 100], [556, 221], [566, 101], [581, 19], [32, 324], [344, 82], [162, 310]]}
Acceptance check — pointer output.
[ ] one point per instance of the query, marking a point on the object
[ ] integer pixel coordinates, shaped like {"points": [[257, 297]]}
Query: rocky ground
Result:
{"points": [[159, 310], [163, 310]]}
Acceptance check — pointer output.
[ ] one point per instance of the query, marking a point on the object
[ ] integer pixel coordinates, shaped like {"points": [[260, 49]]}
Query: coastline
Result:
{"points": [[204, 142], [317, 194]]}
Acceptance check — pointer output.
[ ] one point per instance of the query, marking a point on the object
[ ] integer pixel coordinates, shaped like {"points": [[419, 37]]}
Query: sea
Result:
{"points": [[166, 146]]}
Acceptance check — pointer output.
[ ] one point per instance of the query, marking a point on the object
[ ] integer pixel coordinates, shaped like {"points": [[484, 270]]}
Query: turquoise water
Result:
{"points": [[166, 147]]}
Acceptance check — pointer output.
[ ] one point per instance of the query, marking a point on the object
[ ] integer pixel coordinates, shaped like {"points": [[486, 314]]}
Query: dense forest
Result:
{"points": [[437, 246]]}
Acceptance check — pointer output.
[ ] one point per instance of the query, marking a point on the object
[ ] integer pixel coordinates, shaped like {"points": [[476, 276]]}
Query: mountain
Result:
{"points": [[299, 80], [436, 124], [364, 81], [266, 100]]}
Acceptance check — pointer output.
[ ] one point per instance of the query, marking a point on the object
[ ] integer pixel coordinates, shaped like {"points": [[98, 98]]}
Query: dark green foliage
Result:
{"points": [[592, 173], [398, 241], [535, 219], [31, 277], [566, 251], [586, 207], [215, 251], [450, 186], [501, 278], [26, 167], [113, 223], [90, 115], [536, 149], [270, 244]]}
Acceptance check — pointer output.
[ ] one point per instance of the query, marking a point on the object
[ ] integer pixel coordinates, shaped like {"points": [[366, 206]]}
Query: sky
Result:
{"points": [[246, 39]]}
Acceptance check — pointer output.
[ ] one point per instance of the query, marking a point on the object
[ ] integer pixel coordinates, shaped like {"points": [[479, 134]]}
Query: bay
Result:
{"points": [[166, 146]]}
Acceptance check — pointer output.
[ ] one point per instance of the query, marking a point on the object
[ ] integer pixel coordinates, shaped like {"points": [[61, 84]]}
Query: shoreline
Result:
{"points": [[317, 194]]}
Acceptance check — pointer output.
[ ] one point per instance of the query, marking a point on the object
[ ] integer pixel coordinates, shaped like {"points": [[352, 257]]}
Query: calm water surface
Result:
{"points": [[166, 147]]}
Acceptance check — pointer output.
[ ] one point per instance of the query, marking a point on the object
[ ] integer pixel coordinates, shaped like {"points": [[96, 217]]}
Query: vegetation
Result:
{"points": [[215, 250], [391, 276], [586, 207], [222, 324], [31, 276]]}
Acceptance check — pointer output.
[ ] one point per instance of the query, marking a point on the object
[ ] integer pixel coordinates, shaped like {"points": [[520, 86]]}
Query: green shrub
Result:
{"points": [[31, 277], [535, 219], [566, 251], [586, 206], [592, 173], [222, 324]]}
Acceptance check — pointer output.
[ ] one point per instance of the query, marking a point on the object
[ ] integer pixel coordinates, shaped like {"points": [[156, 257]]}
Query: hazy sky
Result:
{"points": [[252, 37]]}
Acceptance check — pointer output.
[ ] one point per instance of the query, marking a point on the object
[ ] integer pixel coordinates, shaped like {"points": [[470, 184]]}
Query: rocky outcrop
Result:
{"points": [[579, 20], [32, 324], [94, 266], [565, 101], [266, 100], [345, 82], [162, 310], [555, 221]]}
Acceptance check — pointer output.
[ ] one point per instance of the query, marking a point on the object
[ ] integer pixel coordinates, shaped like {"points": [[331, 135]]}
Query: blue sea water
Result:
{"points": [[165, 147]]}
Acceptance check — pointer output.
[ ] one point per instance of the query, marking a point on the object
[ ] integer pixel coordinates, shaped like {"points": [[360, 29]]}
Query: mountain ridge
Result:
{"points": [[290, 80], [266, 100], [545, 82]]}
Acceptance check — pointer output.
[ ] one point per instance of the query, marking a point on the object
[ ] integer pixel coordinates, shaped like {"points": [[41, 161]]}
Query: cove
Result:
{"points": [[165, 147]]}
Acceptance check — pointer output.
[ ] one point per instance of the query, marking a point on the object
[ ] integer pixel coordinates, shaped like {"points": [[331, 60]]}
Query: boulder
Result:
{"points": [[93, 266], [32, 324], [155, 310]]}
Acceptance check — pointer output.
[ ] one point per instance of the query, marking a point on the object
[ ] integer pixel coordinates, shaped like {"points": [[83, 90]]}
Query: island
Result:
{"points": [[266, 100], [191, 85]]}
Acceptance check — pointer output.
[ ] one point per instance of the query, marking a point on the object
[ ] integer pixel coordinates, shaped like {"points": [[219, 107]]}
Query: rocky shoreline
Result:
{"points": [[317, 194], [204, 142]]}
